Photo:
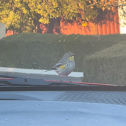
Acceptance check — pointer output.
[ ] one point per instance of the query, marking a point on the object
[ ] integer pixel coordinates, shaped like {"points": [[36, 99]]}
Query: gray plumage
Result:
{"points": [[69, 64]]}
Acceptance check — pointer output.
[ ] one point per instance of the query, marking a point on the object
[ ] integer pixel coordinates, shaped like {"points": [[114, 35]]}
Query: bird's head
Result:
{"points": [[69, 55]]}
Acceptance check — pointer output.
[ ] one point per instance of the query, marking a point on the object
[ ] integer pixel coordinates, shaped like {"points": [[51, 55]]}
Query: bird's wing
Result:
{"points": [[57, 65], [60, 63]]}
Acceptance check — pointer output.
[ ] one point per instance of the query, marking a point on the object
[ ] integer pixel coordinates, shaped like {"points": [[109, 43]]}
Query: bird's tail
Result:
{"points": [[48, 70]]}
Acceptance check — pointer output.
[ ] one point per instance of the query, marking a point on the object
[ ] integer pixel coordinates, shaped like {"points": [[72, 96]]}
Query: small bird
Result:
{"points": [[66, 65]]}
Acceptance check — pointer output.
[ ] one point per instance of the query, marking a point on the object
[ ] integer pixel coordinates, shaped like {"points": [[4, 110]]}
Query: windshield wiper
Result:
{"points": [[24, 81], [7, 80]]}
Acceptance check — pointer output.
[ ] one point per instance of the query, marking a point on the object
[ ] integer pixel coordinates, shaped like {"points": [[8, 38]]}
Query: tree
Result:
{"points": [[18, 15], [24, 15]]}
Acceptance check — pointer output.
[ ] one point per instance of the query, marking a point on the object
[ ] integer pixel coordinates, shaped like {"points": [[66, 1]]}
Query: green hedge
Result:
{"points": [[107, 66], [42, 51], [109, 71]]}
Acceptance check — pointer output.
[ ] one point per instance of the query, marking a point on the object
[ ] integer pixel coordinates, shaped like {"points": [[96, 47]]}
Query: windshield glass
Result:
{"points": [[63, 40]]}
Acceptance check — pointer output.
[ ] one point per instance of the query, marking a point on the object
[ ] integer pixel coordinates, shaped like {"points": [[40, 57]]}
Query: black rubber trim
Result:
{"points": [[64, 88]]}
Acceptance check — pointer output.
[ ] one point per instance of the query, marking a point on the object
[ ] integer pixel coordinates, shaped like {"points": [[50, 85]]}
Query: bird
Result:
{"points": [[66, 65]]}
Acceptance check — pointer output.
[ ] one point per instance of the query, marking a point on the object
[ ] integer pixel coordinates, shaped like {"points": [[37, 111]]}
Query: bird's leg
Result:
{"points": [[60, 79], [68, 78]]}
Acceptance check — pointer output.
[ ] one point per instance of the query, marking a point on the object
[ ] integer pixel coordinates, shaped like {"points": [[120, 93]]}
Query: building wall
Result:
{"points": [[106, 23], [2, 30], [122, 19]]}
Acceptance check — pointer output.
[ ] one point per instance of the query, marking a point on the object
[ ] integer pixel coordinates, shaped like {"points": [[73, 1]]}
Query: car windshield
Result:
{"points": [[63, 41], [62, 62]]}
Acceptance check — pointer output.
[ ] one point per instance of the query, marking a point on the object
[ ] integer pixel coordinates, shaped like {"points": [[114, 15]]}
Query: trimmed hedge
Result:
{"points": [[109, 71], [107, 66]]}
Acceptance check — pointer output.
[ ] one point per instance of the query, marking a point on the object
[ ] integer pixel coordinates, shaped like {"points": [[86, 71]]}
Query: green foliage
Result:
{"points": [[18, 15], [107, 70], [24, 15]]}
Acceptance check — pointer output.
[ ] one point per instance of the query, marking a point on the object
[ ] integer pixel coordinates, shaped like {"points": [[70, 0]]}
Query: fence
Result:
{"points": [[106, 23]]}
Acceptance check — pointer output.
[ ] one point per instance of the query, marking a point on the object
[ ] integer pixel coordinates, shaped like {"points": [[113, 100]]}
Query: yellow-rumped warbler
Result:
{"points": [[66, 65]]}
